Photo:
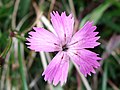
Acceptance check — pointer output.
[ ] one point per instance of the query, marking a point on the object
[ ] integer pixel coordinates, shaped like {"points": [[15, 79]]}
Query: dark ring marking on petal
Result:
{"points": [[76, 54], [73, 43], [56, 44], [62, 56], [65, 36]]}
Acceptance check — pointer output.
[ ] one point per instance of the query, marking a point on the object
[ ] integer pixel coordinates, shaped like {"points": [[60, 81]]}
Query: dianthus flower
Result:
{"points": [[68, 45]]}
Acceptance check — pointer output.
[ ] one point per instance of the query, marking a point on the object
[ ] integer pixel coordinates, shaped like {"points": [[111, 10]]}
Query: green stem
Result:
{"points": [[24, 82], [4, 53]]}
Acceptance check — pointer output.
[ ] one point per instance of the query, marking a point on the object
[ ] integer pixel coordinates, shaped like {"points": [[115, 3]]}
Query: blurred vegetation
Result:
{"points": [[21, 68]]}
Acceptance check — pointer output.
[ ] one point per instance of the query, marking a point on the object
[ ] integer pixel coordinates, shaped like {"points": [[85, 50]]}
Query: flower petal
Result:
{"points": [[85, 59], [63, 26], [57, 69], [43, 40], [85, 37]]}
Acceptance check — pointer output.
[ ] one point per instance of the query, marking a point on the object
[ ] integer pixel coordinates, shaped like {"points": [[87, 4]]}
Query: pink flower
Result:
{"points": [[69, 46]]}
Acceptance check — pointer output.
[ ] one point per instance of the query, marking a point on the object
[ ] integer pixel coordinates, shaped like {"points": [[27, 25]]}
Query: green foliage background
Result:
{"points": [[21, 68]]}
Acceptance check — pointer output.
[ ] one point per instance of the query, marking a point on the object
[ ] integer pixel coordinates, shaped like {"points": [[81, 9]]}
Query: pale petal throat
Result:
{"points": [[68, 45]]}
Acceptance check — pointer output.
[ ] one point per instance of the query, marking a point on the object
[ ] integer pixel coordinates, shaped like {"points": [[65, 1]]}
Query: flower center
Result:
{"points": [[64, 48]]}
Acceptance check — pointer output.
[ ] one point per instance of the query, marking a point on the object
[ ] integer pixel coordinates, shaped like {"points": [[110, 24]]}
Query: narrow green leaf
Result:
{"points": [[21, 68], [4, 53], [112, 25], [24, 7], [96, 14], [104, 79]]}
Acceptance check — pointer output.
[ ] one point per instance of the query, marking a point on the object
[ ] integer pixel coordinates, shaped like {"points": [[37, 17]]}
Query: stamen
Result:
{"points": [[64, 48]]}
